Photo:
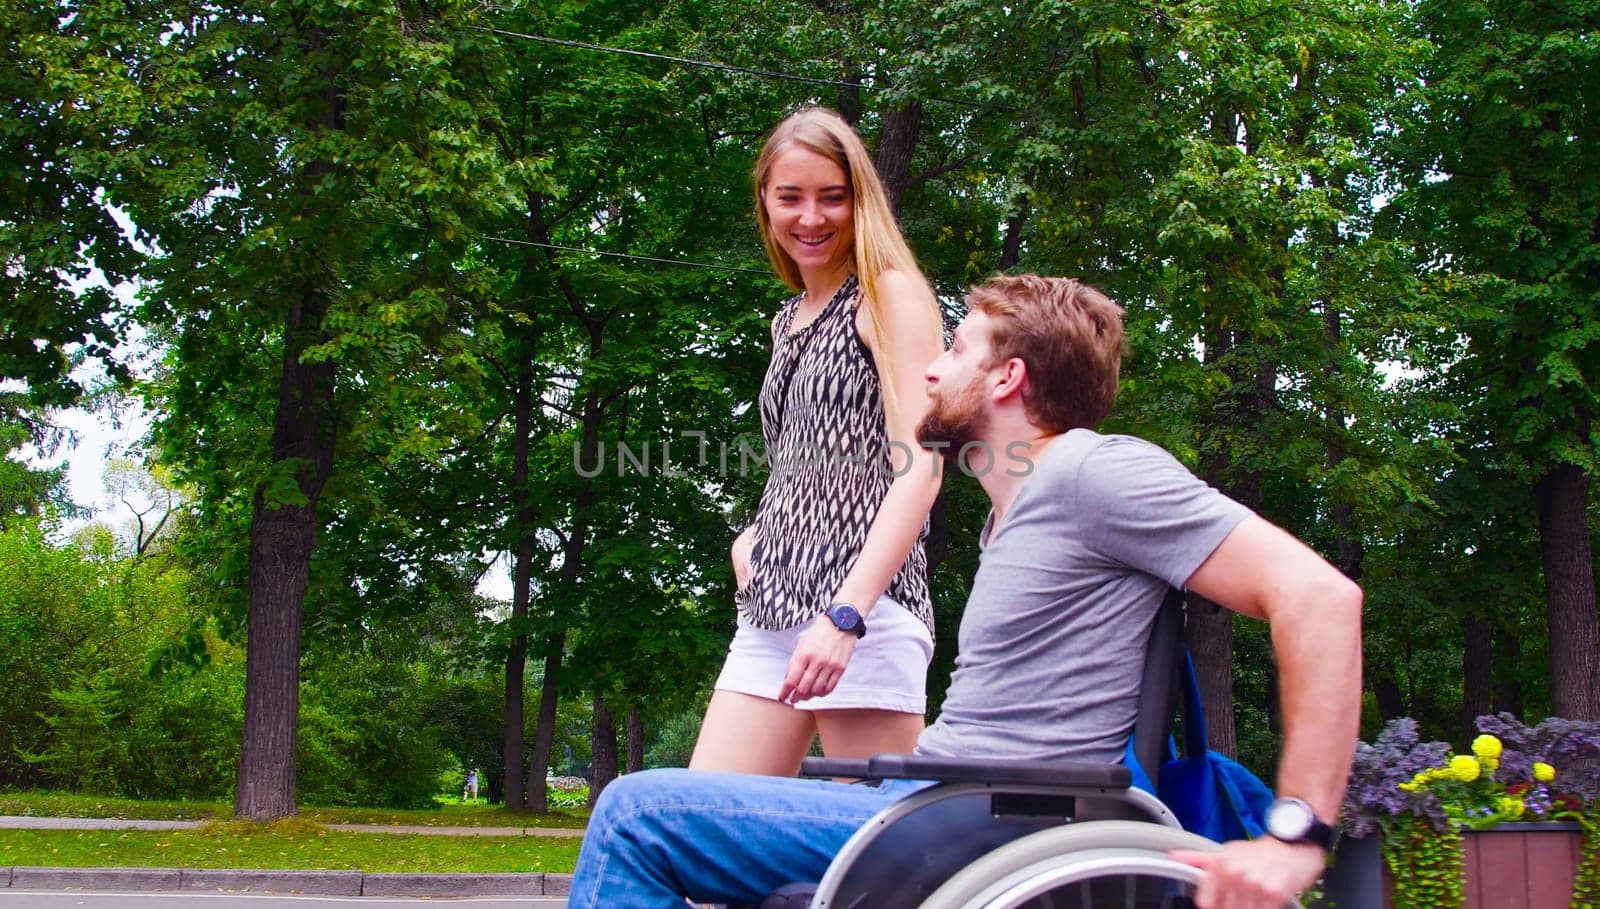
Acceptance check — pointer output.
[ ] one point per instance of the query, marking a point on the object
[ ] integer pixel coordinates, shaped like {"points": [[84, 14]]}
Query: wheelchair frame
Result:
{"points": [[1038, 825]]}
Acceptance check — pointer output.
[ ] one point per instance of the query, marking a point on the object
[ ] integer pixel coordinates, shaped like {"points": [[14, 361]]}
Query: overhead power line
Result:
{"points": [[600, 252], [704, 64]]}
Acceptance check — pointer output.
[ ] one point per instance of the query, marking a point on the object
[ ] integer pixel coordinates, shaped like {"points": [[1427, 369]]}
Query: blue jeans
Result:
{"points": [[662, 835]]}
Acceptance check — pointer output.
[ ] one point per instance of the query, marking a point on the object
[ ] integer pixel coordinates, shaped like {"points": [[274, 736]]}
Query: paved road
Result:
{"points": [[19, 899]]}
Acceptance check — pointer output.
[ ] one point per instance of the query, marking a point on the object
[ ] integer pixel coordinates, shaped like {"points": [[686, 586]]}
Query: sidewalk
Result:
{"points": [[325, 883]]}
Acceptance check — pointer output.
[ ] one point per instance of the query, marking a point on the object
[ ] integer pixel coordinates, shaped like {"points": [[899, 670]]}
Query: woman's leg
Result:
{"points": [[862, 733], [742, 733]]}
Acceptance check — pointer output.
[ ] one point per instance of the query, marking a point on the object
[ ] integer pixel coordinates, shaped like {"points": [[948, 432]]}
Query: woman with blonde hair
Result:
{"points": [[835, 626]]}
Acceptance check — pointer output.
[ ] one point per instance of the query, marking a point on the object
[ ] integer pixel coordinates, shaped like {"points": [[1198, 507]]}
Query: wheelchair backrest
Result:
{"points": [[1158, 685]]}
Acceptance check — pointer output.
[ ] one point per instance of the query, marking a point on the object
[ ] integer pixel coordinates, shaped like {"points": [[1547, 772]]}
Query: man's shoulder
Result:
{"points": [[1111, 452], [1109, 470]]}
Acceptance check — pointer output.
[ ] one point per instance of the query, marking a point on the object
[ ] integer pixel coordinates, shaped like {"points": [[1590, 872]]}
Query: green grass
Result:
{"points": [[450, 813], [65, 804], [287, 844]]}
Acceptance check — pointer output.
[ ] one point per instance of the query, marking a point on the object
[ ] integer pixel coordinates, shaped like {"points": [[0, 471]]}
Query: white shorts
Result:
{"points": [[888, 671]]}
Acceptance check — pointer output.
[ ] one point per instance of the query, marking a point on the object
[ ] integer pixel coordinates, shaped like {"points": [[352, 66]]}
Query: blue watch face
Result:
{"points": [[844, 616]]}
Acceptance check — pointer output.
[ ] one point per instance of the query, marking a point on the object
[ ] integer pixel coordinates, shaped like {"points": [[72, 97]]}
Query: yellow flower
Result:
{"points": [[1511, 807], [1465, 767], [1486, 746], [1543, 772]]}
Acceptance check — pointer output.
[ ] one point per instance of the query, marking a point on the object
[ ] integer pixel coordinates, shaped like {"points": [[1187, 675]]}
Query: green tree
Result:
{"points": [[1501, 197], [303, 173], [68, 74], [26, 490]]}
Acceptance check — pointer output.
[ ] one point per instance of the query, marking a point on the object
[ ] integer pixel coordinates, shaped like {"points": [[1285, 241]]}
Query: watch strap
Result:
{"points": [[857, 628], [1318, 832]]}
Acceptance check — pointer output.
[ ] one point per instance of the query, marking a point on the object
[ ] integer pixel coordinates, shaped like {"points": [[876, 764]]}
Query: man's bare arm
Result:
{"points": [[1315, 616]]}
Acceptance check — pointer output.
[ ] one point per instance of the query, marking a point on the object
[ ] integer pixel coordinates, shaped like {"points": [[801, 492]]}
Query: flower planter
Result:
{"points": [[1527, 865], [1520, 865], [1356, 878]]}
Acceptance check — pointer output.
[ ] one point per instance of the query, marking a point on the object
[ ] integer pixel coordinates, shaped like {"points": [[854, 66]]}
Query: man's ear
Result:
{"points": [[1011, 379]]}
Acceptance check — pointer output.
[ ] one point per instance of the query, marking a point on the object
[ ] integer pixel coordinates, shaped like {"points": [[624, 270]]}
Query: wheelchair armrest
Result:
{"points": [[960, 770], [855, 768], [998, 771]]}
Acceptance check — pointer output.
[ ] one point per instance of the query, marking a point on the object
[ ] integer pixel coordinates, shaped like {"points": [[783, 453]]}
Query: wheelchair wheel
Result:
{"points": [[1089, 865]]}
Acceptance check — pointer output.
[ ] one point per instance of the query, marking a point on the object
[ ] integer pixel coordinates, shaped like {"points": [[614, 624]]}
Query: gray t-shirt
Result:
{"points": [[1053, 637]]}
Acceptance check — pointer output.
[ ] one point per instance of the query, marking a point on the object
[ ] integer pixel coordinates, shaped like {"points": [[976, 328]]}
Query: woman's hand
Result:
{"points": [[743, 545], [818, 662]]}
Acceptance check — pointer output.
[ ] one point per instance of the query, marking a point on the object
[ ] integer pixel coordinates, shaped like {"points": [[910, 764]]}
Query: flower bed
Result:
{"points": [[1453, 826]]}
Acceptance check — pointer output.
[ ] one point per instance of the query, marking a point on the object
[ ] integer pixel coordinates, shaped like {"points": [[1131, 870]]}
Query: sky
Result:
{"points": [[118, 432], [95, 438]]}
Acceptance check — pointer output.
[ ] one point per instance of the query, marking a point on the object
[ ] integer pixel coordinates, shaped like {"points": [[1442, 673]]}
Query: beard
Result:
{"points": [[954, 419]]}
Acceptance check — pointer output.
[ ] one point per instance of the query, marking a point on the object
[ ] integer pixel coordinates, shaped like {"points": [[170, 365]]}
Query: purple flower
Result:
{"points": [[1572, 746], [1397, 755], [1394, 757]]}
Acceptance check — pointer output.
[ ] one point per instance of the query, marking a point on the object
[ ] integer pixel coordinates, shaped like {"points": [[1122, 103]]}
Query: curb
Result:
{"points": [[324, 883]]}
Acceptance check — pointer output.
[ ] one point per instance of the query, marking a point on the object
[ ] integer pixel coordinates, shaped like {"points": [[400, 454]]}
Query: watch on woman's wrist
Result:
{"points": [[847, 619]]}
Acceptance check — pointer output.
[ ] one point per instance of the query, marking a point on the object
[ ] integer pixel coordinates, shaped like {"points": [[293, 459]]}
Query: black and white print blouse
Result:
{"points": [[826, 437]]}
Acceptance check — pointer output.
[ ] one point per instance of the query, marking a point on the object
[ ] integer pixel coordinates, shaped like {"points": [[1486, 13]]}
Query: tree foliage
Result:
{"points": [[422, 274]]}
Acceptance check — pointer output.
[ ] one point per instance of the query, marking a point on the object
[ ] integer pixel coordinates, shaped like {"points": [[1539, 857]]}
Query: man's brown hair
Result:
{"points": [[1070, 337]]}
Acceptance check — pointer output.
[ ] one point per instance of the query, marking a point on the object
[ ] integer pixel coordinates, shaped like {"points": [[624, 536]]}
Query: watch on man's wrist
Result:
{"points": [[847, 618], [1292, 820]]}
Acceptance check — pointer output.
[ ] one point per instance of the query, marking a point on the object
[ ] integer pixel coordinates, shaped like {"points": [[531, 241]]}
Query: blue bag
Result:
{"points": [[1210, 793]]}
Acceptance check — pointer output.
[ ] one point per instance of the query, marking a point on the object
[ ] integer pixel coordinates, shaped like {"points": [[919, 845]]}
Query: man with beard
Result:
{"points": [[1087, 533]]}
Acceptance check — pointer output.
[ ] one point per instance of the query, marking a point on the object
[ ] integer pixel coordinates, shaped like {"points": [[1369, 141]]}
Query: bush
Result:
{"points": [[183, 735], [566, 792], [366, 737], [77, 628]]}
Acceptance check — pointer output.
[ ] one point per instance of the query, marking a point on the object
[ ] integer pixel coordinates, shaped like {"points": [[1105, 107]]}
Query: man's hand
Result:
{"points": [[1254, 874], [818, 662]]}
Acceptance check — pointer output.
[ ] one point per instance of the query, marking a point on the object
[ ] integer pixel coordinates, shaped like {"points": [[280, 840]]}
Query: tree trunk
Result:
{"points": [[1391, 700], [849, 96], [602, 749], [1250, 392], [550, 691], [1476, 674], [282, 539], [897, 142], [1563, 496], [1507, 685], [635, 741], [576, 539], [283, 535], [1011, 248], [544, 734], [1350, 554], [522, 582], [1209, 635]]}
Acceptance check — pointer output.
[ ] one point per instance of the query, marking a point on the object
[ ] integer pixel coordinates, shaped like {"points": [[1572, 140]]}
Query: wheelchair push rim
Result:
{"points": [[1079, 856]]}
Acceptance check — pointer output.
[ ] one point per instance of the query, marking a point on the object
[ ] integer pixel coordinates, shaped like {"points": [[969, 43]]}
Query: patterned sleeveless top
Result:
{"points": [[827, 446]]}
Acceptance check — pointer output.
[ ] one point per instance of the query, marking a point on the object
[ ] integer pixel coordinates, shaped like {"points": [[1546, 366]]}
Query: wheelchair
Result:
{"points": [[1020, 834]]}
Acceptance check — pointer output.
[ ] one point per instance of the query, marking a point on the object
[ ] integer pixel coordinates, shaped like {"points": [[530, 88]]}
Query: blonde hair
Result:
{"points": [[879, 245]]}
